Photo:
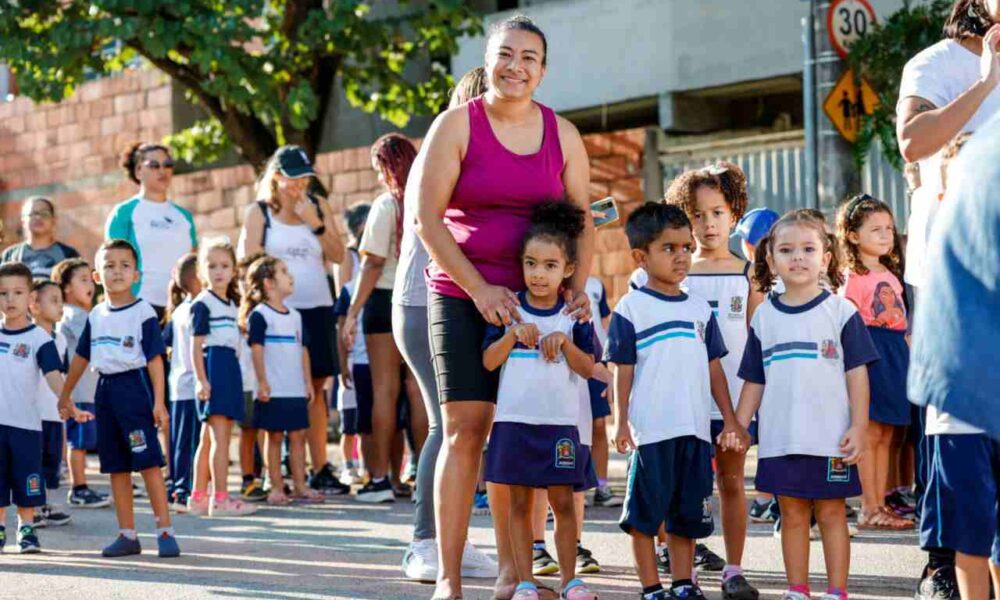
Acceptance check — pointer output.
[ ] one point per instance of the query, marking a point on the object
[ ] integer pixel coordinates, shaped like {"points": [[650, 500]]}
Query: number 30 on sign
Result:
{"points": [[848, 20]]}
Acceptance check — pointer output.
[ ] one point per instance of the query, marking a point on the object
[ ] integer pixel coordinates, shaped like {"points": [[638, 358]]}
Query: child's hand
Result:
{"points": [[622, 440], [733, 438], [346, 379], [310, 396], [202, 390], [526, 333], [603, 374], [551, 345], [82, 416], [853, 445], [350, 330], [263, 391], [161, 417]]}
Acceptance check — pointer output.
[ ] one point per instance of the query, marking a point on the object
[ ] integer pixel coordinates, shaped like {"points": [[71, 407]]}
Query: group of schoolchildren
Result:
{"points": [[800, 349]]}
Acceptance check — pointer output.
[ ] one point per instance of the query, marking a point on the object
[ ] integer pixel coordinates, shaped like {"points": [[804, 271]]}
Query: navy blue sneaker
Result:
{"points": [[167, 545], [687, 592], [122, 547], [27, 540]]}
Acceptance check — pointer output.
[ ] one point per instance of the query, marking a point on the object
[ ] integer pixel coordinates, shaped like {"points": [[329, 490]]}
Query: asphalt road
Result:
{"points": [[344, 549]]}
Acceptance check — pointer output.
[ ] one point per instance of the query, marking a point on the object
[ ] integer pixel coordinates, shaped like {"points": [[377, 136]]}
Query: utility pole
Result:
{"points": [[837, 175]]}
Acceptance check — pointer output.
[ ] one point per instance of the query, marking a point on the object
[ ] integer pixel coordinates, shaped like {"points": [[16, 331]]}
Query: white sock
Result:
{"points": [[129, 533], [167, 530]]}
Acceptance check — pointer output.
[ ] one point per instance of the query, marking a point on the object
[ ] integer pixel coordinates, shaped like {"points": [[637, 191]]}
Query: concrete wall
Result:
{"points": [[607, 51]]}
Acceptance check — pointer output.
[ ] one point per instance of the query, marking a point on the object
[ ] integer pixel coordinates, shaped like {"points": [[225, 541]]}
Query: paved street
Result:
{"points": [[347, 550]]}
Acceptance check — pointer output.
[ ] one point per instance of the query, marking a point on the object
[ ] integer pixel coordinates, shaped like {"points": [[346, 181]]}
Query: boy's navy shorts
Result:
{"points": [[670, 482], [21, 479], [82, 436], [126, 434], [52, 453]]}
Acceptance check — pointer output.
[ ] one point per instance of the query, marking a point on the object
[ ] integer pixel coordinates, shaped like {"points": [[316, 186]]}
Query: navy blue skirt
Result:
{"points": [[281, 414], [887, 377], [223, 369], [808, 477], [599, 406], [535, 455], [589, 472]]}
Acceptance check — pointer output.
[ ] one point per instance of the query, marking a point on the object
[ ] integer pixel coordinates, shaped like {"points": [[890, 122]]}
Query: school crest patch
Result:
{"points": [[837, 471], [706, 510], [829, 350], [137, 441], [736, 307], [33, 486], [128, 342], [21, 350], [565, 454]]}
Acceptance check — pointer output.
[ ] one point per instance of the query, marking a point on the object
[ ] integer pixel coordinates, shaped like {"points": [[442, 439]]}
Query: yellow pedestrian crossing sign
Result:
{"points": [[847, 101]]}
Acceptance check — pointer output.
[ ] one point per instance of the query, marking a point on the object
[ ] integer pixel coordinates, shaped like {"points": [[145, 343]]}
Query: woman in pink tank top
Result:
{"points": [[480, 171]]}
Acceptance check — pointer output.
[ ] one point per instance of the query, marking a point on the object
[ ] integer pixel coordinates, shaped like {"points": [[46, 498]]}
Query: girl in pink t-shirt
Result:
{"points": [[873, 278]]}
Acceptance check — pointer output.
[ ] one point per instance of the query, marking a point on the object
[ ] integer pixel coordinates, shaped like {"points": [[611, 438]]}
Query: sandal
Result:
{"points": [[883, 520], [577, 590], [525, 591], [278, 499], [309, 497]]}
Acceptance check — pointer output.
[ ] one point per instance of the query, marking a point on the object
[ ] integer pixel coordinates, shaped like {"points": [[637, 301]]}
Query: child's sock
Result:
{"points": [[129, 534], [538, 545], [167, 530], [842, 594], [652, 589], [681, 583], [731, 571], [379, 480], [248, 479], [802, 589], [602, 482]]}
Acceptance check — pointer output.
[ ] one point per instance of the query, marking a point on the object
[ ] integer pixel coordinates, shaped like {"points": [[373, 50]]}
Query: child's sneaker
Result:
{"points": [[86, 498], [585, 561], [376, 493], [603, 496], [895, 502], [687, 592], [178, 503], [738, 588], [47, 516], [790, 595], [663, 561], [198, 507], [122, 546], [27, 540], [138, 492], [542, 563], [706, 560], [230, 507], [166, 545], [763, 512], [657, 595], [253, 491], [481, 504], [577, 590], [325, 481]]}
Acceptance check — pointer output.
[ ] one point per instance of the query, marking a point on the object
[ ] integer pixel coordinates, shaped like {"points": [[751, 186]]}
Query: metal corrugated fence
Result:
{"points": [[775, 167]]}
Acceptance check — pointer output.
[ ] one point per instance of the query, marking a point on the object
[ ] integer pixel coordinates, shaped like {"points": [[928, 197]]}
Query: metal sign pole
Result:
{"points": [[809, 104]]}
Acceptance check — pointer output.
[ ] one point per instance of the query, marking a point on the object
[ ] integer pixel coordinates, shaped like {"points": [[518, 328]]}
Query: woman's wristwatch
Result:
{"points": [[319, 230]]}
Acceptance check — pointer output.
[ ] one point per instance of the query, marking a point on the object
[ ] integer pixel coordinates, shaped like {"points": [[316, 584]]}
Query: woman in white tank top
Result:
{"points": [[288, 223]]}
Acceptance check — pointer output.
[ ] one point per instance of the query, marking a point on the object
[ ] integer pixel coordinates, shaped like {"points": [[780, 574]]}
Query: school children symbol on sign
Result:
{"points": [[847, 101]]}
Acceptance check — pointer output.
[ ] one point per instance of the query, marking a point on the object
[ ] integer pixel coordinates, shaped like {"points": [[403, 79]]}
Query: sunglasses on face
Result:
{"points": [[156, 165], [39, 214]]}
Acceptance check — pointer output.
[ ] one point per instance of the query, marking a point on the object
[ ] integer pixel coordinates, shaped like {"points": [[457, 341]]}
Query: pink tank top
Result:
{"points": [[490, 208], [879, 298]]}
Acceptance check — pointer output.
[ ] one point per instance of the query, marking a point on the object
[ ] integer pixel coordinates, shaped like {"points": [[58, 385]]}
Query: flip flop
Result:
{"points": [[309, 497], [577, 590], [278, 500], [883, 520]]}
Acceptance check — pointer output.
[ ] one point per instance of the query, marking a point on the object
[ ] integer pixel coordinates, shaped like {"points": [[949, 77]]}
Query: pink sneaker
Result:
{"points": [[197, 507], [577, 590], [231, 507]]}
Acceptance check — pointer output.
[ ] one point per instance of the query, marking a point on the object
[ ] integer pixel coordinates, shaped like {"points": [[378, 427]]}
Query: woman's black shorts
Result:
{"points": [[457, 331]]}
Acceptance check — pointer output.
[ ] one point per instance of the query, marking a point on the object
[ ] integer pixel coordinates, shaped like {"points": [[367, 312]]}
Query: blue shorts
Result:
{"points": [[21, 467], [535, 456], [599, 407], [348, 421], [808, 477], [126, 434], [362, 376], [887, 378], [670, 482], [82, 436], [589, 472], [717, 429], [960, 509], [223, 370], [281, 414], [52, 453]]}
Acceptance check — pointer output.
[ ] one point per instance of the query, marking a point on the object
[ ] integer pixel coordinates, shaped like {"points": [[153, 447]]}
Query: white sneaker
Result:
{"points": [[476, 563], [230, 507], [351, 477], [790, 595], [420, 562]]}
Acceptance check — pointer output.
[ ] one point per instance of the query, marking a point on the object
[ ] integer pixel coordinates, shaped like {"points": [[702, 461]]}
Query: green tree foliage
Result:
{"points": [[263, 70], [880, 57]]}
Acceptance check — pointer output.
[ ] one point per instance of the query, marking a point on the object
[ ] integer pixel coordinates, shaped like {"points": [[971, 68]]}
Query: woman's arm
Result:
{"points": [[576, 180], [924, 128], [252, 233], [331, 240], [371, 270]]}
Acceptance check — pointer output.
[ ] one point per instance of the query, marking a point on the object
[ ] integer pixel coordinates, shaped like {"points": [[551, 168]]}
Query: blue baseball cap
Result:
{"points": [[755, 224], [293, 162]]}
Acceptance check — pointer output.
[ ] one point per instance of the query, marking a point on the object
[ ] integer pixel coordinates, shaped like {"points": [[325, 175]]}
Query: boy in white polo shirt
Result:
{"points": [[27, 354], [665, 346]]}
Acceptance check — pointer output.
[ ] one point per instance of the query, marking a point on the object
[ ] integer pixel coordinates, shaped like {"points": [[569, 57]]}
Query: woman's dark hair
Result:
{"points": [[47, 201], [647, 222], [356, 217], [558, 222], [851, 216], [725, 177], [519, 23], [877, 305], [181, 275], [394, 155], [762, 275], [968, 19], [133, 155]]}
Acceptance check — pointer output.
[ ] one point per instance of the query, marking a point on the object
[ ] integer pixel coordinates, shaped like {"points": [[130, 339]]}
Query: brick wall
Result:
{"points": [[69, 152]]}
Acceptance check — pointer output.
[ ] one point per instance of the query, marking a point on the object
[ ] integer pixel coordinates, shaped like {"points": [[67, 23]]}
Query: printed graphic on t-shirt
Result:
{"points": [[21, 351], [829, 350], [887, 308], [837, 471], [565, 454]]}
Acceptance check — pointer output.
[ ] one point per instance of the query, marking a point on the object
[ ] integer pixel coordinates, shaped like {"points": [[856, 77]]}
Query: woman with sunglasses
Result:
{"points": [[160, 231], [39, 250]]}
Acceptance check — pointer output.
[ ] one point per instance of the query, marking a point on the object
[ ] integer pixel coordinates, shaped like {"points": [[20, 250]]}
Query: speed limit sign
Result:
{"points": [[848, 20]]}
